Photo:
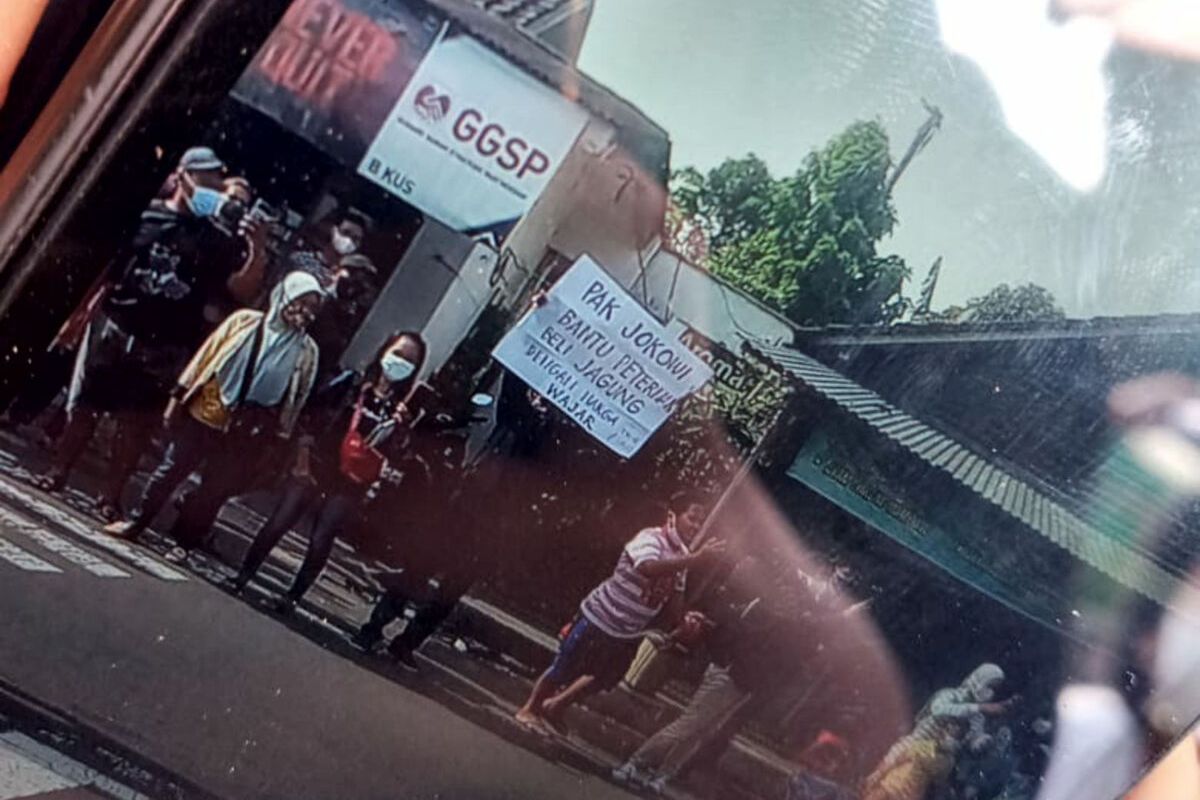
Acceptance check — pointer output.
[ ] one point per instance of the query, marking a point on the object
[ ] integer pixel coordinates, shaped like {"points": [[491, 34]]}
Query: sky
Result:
{"points": [[779, 78]]}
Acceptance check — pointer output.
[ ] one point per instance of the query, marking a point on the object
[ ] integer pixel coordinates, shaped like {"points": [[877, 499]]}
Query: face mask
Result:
{"points": [[343, 244], [205, 202], [297, 316], [397, 369]]}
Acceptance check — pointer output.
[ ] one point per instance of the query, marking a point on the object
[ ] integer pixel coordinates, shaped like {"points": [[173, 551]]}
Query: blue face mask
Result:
{"points": [[396, 368], [205, 202]]}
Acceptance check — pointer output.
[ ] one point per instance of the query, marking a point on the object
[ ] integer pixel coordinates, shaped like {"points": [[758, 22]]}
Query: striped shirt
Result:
{"points": [[626, 604]]}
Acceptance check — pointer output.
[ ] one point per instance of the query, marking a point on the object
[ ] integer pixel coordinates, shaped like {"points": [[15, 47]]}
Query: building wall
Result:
{"points": [[600, 203], [461, 305], [674, 289], [413, 294]]}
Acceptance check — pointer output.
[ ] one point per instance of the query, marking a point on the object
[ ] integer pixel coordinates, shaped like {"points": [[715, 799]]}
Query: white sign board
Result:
{"points": [[602, 359], [473, 140]]}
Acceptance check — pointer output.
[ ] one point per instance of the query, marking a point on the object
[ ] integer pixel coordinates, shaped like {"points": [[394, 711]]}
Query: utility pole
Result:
{"points": [[924, 136], [925, 304]]}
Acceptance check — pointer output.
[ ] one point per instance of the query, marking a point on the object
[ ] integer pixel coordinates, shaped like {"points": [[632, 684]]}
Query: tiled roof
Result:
{"points": [[534, 14], [1017, 496], [646, 141]]}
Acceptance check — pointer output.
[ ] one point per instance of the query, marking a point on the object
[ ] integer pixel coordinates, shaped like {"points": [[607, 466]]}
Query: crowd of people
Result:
{"points": [[235, 347], [760, 628], [226, 351], [214, 352]]}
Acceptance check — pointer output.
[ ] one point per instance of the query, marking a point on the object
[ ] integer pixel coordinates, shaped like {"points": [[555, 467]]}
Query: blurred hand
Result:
{"points": [[168, 417], [18, 20], [1177, 777], [1168, 27], [254, 230], [691, 628], [712, 550], [1144, 400], [403, 415], [302, 469], [391, 476]]}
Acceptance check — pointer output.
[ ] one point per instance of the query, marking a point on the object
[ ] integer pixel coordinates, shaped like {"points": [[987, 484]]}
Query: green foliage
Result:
{"points": [[1028, 303], [807, 244], [732, 201]]}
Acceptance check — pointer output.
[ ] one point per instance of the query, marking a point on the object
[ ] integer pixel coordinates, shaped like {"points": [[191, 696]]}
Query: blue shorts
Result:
{"points": [[587, 650]]}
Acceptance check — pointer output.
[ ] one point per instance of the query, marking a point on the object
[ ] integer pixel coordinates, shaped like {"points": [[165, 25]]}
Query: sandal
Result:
{"points": [[52, 481], [107, 511], [177, 555]]}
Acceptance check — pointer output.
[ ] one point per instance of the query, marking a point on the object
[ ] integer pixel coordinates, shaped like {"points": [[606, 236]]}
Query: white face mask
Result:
{"points": [[396, 368], [343, 244]]}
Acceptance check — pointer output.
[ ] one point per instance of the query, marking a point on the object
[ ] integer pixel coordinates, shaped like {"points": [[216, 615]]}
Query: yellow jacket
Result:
{"points": [[220, 343]]}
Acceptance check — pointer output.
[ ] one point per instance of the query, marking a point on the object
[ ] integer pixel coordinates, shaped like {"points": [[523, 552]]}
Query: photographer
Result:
{"points": [[179, 277]]}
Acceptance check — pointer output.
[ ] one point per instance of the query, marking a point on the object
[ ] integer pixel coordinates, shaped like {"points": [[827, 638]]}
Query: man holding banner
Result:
{"points": [[600, 645]]}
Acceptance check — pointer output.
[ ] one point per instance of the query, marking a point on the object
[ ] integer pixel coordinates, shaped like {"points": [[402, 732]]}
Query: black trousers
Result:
{"points": [[220, 458], [331, 512], [430, 613]]}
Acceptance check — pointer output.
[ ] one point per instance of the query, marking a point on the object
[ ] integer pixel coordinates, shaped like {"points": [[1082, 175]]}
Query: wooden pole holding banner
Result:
{"points": [[744, 470], [652, 666]]}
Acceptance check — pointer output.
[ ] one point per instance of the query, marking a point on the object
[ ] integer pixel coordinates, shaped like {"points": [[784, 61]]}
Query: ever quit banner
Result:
{"points": [[602, 359]]}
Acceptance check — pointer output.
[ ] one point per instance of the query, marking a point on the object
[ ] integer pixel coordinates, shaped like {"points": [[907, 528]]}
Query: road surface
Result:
{"points": [[230, 700]]}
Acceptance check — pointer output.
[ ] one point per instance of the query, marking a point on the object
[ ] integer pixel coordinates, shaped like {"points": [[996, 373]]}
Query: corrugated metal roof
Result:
{"points": [[996, 484], [932, 333]]}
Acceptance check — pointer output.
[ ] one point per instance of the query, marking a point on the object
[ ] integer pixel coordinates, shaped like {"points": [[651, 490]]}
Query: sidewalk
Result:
{"points": [[481, 665]]}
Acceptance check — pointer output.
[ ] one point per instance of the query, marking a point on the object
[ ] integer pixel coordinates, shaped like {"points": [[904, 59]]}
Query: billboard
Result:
{"points": [[473, 140], [332, 69], [602, 359]]}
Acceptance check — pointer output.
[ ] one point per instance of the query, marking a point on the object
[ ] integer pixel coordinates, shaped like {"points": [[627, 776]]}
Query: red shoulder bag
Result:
{"points": [[360, 462]]}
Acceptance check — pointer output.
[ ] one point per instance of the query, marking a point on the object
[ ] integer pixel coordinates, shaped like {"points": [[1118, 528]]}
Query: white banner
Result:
{"points": [[602, 359], [473, 140]]}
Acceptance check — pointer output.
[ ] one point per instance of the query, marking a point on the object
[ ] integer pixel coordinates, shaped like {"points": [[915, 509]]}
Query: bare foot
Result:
{"points": [[531, 722]]}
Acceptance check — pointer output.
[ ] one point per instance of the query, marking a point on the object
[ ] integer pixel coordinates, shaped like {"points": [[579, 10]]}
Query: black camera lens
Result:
{"points": [[232, 212]]}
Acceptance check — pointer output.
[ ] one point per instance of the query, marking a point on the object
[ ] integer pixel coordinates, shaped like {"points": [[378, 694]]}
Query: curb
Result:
{"points": [[93, 748]]}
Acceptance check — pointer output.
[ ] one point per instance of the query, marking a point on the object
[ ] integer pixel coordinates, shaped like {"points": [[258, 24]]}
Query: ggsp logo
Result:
{"points": [[430, 105]]}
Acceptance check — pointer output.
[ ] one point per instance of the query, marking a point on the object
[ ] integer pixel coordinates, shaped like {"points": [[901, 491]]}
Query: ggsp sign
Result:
{"points": [[474, 138]]}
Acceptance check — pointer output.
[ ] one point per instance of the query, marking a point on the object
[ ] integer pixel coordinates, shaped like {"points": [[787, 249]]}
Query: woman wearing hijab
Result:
{"points": [[251, 376], [952, 718], [359, 427], [967, 706]]}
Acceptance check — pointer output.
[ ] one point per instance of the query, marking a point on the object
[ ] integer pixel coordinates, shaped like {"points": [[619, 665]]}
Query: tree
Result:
{"points": [[730, 203], [807, 245], [1028, 303]]}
